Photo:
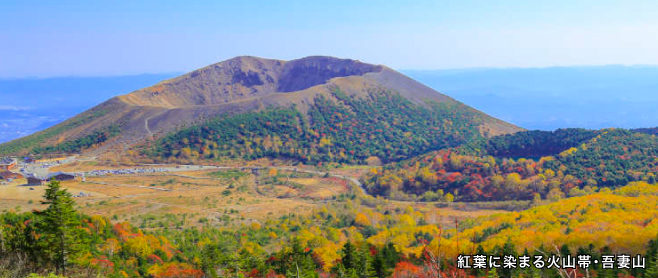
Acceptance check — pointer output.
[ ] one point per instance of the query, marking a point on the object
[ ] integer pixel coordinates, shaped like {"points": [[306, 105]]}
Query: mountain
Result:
{"points": [[315, 109], [524, 166]]}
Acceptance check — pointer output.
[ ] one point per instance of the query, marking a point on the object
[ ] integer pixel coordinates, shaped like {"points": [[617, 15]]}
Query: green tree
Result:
{"points": [[379, 265], [297, 262], [364, 267], [508, 249], [606, 273], [210, 258], [59, 227], [651, 260], [349, 256], [391, 255], [652, 268]]}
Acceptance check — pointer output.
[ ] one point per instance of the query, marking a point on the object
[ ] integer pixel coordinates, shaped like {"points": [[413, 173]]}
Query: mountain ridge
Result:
{"points": [[239, 85]]}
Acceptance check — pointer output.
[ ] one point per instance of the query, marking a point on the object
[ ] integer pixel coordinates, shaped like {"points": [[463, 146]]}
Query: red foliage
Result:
{"points": [[178, 271], [407, 270], [102, 262], [253, 273], [318, 260], [153, 258], [273, 274]]}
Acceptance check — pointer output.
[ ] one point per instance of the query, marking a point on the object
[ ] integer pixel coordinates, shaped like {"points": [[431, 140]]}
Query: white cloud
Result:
{"points": [[13, 108]]}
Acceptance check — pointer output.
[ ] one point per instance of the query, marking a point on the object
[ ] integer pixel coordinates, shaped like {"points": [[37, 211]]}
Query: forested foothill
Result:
{"points": [[563, 163]]}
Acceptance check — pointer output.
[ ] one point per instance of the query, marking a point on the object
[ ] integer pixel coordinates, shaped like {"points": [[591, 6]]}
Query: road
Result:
{"points": [[43, 170]]}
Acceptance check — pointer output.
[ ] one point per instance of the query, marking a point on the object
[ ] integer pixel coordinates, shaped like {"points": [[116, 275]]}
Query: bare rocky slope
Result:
{"points": [[239, 85]]}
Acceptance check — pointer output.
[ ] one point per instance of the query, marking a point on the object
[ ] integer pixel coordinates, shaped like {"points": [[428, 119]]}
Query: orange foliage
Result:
{"points": [[407, 270], [177, 270]]}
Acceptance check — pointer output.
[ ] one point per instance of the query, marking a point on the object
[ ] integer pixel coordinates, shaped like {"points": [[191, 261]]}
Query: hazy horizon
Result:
{"points": [[128, 38], [533, 98], [181, 72]]}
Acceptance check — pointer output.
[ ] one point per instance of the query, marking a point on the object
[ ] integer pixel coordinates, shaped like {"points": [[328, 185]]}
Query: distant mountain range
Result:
{"points": [[559, 97], [313, 109]]}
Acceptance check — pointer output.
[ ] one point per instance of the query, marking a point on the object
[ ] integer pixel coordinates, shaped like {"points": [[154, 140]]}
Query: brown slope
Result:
{"points": [[239, 85]]}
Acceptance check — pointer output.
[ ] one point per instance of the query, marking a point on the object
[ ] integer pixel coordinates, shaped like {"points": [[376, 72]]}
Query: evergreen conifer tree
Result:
{"points": [[59, 226]]}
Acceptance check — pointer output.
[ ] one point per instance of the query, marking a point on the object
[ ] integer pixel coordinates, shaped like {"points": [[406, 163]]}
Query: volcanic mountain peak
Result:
{"points": [[247, 84], [246, 77], [310, 71]]}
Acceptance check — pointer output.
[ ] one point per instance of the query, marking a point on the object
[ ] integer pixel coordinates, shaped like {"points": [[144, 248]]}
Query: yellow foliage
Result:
{"points": [[252, 248], [406, 220], [325, 142], [329, 254], [636, 189], [138, 246], [362, 220], [568, 152], [601, 219]]}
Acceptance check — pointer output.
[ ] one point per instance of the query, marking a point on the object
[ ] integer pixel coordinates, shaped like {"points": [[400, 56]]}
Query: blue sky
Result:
{"points": [[63, 38]]}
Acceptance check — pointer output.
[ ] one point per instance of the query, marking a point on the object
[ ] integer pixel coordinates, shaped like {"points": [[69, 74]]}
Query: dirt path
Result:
{"points": [[146, 125]]}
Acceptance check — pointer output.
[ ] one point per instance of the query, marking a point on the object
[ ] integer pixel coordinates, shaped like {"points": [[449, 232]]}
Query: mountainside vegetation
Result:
{"points": [[351, 237], [574, 166], [76, 146], [382, 127], [530, 144]]}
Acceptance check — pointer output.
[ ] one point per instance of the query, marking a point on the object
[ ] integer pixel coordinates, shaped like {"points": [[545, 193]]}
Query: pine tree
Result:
{"points": [[606, 273], [349, 256], [564, 250], [59, 226], [364, 267], [508, 249], [651, 260], [652, 269], [530, 272], [391, 255], [379, 265], [209, 259], [299, 263]]}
